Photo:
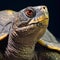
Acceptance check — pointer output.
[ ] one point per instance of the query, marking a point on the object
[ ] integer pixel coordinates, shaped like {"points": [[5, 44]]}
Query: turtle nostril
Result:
{"points": [[43, 7]]}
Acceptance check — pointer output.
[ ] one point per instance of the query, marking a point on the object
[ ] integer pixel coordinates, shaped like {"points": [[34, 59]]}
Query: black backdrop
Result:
{"points": [[53, 7]]}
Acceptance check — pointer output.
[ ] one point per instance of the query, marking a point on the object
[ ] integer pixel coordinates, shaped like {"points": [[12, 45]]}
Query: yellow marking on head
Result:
{"points": [[3, 36], [39, 19], [10, 12]]}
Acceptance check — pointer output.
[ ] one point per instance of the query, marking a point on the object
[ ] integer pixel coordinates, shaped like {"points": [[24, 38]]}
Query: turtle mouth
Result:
{"points": [[33, 22], [40, 23], [32, 25], [27, 29]]}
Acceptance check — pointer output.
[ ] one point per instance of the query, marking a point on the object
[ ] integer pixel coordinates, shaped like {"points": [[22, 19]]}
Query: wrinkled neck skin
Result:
{"points": [[21, 46]]}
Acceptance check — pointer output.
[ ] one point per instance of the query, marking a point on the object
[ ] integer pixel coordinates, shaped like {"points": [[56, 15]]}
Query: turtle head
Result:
{"points": [[27, 29], [37, 15], [32, 22]]}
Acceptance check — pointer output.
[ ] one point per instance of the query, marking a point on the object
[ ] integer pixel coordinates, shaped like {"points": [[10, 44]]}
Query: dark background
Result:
{"points": [[53, 7]]}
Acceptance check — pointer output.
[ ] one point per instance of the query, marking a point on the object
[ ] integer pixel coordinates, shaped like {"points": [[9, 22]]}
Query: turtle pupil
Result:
{"points": [[29, 12]]}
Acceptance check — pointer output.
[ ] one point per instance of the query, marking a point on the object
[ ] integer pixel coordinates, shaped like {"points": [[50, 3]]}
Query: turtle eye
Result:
{"points": [[29, 13]]}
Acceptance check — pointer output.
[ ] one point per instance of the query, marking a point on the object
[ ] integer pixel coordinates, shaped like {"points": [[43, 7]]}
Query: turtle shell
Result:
{"points": [[49, 41], [6, 18]]}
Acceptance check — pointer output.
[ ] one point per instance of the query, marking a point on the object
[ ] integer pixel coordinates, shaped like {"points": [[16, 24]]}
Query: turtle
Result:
{"points": [[24, 35]]}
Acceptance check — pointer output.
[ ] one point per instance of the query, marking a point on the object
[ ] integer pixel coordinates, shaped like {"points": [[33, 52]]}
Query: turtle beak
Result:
{"points": [[41, 21]]}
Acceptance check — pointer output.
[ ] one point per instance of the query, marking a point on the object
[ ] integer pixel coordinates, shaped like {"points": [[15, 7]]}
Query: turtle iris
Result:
{"points": [[30, 13]]}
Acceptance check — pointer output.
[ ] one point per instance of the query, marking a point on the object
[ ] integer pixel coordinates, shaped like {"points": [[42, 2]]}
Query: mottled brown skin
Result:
{"points": [[24, 33]]}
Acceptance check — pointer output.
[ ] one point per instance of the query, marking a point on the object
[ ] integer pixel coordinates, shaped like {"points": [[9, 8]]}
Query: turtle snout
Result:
{"points": [[43, 8]]}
